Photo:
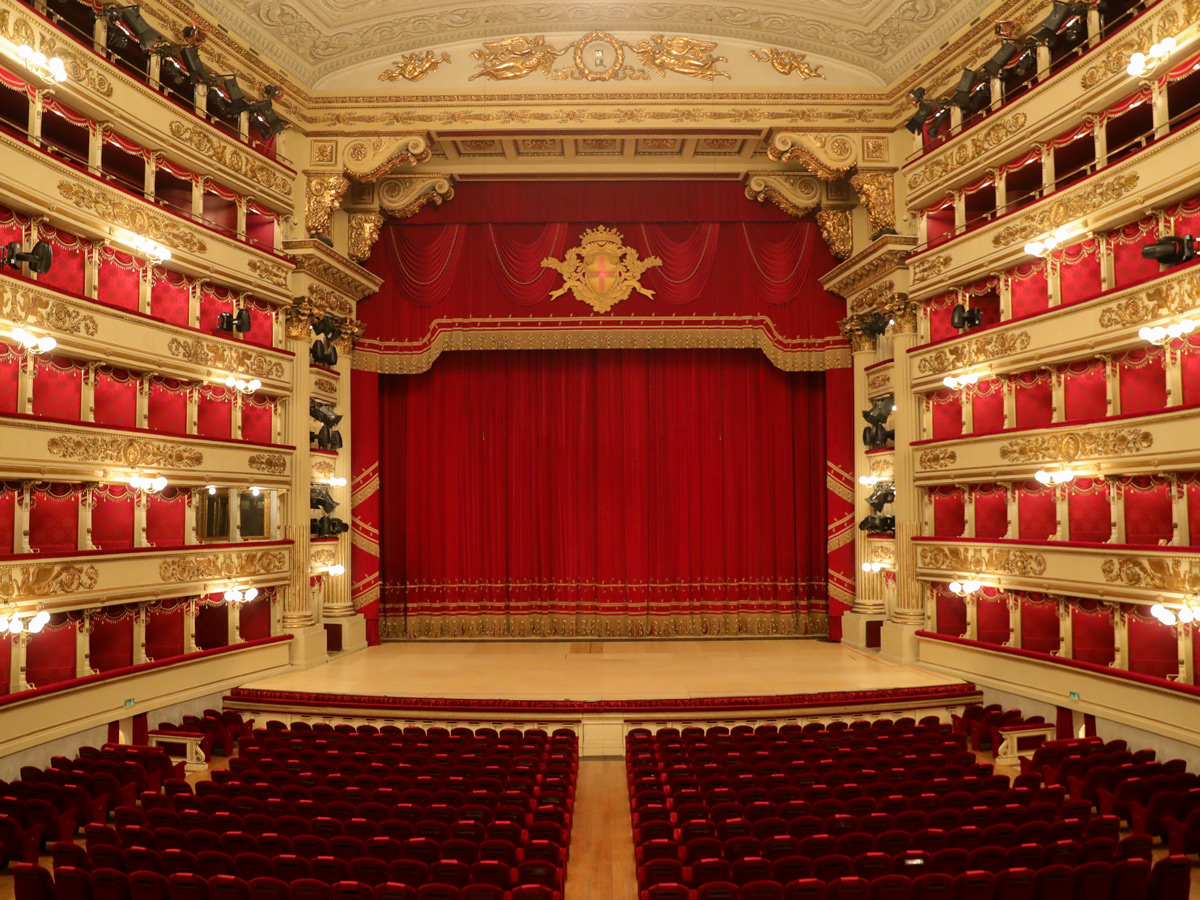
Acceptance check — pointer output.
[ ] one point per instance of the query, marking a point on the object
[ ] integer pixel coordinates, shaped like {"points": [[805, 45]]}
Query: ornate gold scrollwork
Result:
{"points": [[1068, 209], [941, 458], [601, 271], [133, 216], [973, 352], [521, 56], [876, 190], [829, 158], [270, 463], [787, 62], [222, 565], [220, 356], [21, 581], [362, 233], [1076, 445], [414, 66], [325, 192], [837, 229], [797, 195], [131, 452]]}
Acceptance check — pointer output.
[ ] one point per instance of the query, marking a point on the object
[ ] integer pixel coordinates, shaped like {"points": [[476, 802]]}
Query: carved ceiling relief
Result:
{"points": [[598, 56]]}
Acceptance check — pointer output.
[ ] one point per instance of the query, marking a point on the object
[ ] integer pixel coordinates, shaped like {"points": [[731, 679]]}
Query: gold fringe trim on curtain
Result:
{"points": [[552, 626]]}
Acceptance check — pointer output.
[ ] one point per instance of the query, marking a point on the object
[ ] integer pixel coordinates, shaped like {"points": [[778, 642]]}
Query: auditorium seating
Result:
{"points": [[892, 810]]}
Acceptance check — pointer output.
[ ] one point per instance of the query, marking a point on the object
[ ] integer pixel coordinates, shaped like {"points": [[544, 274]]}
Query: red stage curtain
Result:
{"points": [[949, 517], [631, 489], [1143, 381], [951, 613], [112, 517], [165, 517], [118, 281], [115, 399], [50, 654], [169, 296], [1092, 632], [946, 414], [1036, 511], [1033, 399], [111, 642], [70, 260], [256, 419], [212, 623], [992, 616], [1153, 648], [1084, 391], [10, 375], [364, 463], [255, 617], [57, 388], [164, 629], [167, 407], [991, 511], [987, 406], [1089, 513], [1148, 517], [1128, 265], [1030, 290], [214, 411], [1079, 271], [1039, 623], [54, 519]]}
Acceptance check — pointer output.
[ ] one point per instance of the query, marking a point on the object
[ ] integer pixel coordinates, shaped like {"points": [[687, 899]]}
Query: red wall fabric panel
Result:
{"points": [[1036, 511], [364, 463], [1143, 382], [1189, 366], [1128, 265], [946, 413], [633, 471], [256, 422], [940, 328], [8, 508], [111, 641], [1030, 290], [165, 518], [991, 514], [951, 614], [1193, 513], [987, 412], [112, 518], [1089, 512], [1079, 272], [1084, 392], [1092, 633], [1148, 517], [262, 326], [50, 654], [54, 522], [212, 625], [57, 389], [949, 517], [67, 273], [214, 415], [1034, 402], [1039, 625], [992, 618], [167, 407], [169, 297], [255, 618], [211, 306], [164, 632], [118, 281], [10, 376], [115, 399], [1153, 648]]}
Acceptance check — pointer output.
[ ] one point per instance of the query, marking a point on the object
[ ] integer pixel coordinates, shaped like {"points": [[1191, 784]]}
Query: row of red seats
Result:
{"points": [[549, 770], [34, 883], [274, 726], [804, 775], [1128, 880], [838, 726], [777, 746]]}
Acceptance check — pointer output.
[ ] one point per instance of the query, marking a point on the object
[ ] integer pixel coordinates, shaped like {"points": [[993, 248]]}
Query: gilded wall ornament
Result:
{"points": [[879, 382], [319, 266], [369, 159], [323, 468], [401, 196], [985, 561], [796, 195], [271, 273], [837, 229], [21, 304], [938, 168], [414, 66], [929, 267], [215, 566], [325, 385], [601, 271], [19, 582], [1074, 206], [973, 352], [1175, 296], [1116, 58], [1077, 444], [362, 233], [829, 158], [1156, 573], [221, 356], [131, 451], [941, 458], [270, 463], [876, 190], [133, 216], [324, 195], [787, 62], [201, 139], [681, 55], [598, 56]]}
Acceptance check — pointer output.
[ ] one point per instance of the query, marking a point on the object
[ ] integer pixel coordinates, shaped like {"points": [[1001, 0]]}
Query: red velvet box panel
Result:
{"points": [[1039, 623]]}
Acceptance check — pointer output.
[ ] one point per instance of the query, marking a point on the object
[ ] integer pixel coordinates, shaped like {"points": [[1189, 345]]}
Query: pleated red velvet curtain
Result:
{"points": [[603, 492]]}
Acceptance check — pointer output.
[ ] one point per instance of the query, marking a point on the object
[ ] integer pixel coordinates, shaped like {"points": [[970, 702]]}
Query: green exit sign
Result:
{"points": [[129, 702], [1074, 695]]}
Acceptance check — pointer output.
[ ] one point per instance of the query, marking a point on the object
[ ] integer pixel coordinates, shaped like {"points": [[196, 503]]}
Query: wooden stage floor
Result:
{"points": [[603, 670]]}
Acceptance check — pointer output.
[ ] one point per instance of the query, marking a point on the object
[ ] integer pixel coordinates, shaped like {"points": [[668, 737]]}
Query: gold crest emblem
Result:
{"points": [[601, 271]]}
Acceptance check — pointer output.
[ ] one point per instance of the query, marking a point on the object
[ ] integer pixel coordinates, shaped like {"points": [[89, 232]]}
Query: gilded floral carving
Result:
{"points": [[120, 451], [321, 557], [597, 56], [133, 216], [837, 229], [829, 158], [929, 267], [269, 272], [973, 352], [201, 139], [787, 62], [19, 582], [323, 468], [1077, 444], [941, 458], [879, 382], [270, 463], [1175, 296], [1156, 573], [20, 304], [983, 560], [939, 167], [325, 385], [414, 66], [1075, 205], [214, 566], [324, 195], [221, 356], [876, 190], [362, 233]]}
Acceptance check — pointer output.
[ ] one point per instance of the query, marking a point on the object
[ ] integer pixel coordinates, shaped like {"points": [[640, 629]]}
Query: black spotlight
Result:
{"points": [[973, 92], [1025, 61], [1047, 32], [1000, 59], [884, 493], [876, 437], [1170, 251], [327, 526], [323, 412], [263, 112], [875, 524], [924, 109], [39, 259], [237, 99], [875, 325], [318, 498], [241, 321], [881, 409], [131, 16], [225, 322], [329, 326], [195, 66], [961, 317], [323, 353]]}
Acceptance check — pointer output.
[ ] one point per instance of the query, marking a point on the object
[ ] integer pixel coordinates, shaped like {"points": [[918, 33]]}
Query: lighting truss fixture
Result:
{"points": [[12, 623], [35, 61], [238, 103], [131, 17], [881, 409], [33, 344], [1141, 63], [964, 588], [150, 248], [237, 595], [319, 498], [242, 385], [875, 524], [924, 109], [875, 325], [973, 91], [328, 526], [961, 317], [1171, 250], [1000, 59], [323, 353], [876, 437], [954, 382], [1059, 476], [39, 259], [149, 485], [1047, 32], [884, 493], [264, 115]]}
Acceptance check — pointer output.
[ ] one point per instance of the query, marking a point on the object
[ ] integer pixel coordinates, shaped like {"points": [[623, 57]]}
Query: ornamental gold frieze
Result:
{"points": [[131, 451], [882, 466], [321, 557], [322, 263], [21, 582], [940, 458], [939, 168], [1074, 206], [1077, 445], [1169, 297], [973, 352], [982, 560], [324, 385], [929, 267], [597, 57], [787, 62], [269, 463], [38, 35], [882, 552], [885, 256], [1173, 574], [202, 140], [879, 383], [272, 273], [213, 566], [221, 356], [24, 305], [414, 66], [323, 468], [132, 215]]}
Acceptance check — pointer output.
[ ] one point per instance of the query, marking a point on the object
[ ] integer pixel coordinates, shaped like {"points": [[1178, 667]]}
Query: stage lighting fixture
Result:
{"points": [[1047, 31], [972, 92], [323, 412], [875, 524], [329, 326], [327, 526], [323, 353], [195, 66], [39, 259], [1025, 61], [1171, 250], [961, 317], [263, 112], [131, 16], [225, 322], [884, 493], [237, 98], [876, 436], [875, 325], [1001, 58], [241, 321], [924, 109], [319, 498], [881, 409]]}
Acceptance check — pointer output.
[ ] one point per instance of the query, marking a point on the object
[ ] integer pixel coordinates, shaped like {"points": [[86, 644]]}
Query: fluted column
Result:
{"points": [[337, 587], [868, 597], [298, 609], [906, 421]]}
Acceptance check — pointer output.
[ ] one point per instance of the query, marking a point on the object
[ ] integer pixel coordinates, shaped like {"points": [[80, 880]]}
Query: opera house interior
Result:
{"points": [[506, 450]]}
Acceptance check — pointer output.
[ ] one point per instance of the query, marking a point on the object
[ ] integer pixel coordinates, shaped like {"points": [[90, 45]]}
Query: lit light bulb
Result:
{"points": [[3, 623], [57, 70], [211, 490], [1187, 326], [233, 595], [1050, 243], [968, 379], [971, 587], [1144, 333], [868, 480], [253, 385], [46, 344], [1035, 248], [1168, 45], [230, 381], [1157, 610], [1186, 615], [1137, 65], [341, 482], [956, 587], [894, 407], [250, 594], [1174, 330], [950, 381], [1168, 617], [255, 491], [15, 626], [40, 621], [1042, 476], [337, 569], [158, 484]]}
